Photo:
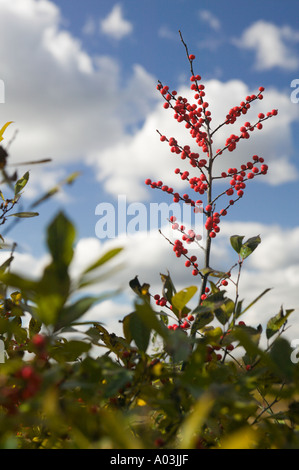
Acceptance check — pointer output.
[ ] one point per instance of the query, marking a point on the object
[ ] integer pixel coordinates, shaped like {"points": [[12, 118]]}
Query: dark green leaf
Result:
{"points": [[139, 330], [168, 289], [249, 246], [69, 351], [236, 242], [280, 354], [72, 312], [34, 327], [204, 316], [276, 322], [224, 312], [60, 239]]}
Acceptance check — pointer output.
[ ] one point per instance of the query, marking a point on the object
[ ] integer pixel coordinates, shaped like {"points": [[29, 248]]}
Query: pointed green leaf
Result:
{"points": [[255, 300], [103, 259], [24, 215], [276, 322], [236, 242], [249, 246], [73, 312], [204, 316], [60, 239], [139, 330], [168, 289], [224, 312], [21, 183], [150, 319]]}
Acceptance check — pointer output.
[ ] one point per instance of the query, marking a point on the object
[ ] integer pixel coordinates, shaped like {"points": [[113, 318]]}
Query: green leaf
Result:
{"points": [[103, 259], [21, 183], [150, 319], [180, 299], [249, 246], [204, 316], [168, 289], [224, 312], [72, 312], [60, 239], [236, 242], [255, 300], [6, 263], [69, 180], [139, 330], [69, 351], [280, 354], [276, 322], [126, 327], [24, 215], [34, 327]]}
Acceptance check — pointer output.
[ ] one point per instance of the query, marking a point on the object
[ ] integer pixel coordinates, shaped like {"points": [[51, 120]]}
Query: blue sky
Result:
{"points": [[80, 82]]}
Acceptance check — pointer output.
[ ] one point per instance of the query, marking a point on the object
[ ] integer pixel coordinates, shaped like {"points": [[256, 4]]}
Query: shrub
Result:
{"points": [[179, 377]]}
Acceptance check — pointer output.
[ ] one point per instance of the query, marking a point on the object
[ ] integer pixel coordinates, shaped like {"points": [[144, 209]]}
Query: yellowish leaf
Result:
{"points": [[4, 129]]}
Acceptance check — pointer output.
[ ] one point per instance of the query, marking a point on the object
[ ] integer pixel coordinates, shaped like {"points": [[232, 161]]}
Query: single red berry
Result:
{"points": [[27, 372], [39, 341]]}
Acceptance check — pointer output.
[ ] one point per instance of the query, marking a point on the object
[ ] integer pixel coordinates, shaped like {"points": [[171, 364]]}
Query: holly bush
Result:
{"points": [[182, 375]]}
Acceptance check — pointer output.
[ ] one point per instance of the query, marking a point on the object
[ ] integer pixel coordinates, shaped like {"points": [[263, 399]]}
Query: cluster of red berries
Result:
{"points": [[197, 118], [184, 324], [28, 383]]}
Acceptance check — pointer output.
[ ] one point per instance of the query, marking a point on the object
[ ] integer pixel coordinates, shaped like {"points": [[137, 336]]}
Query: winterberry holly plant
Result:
{"points": [[197, 119]]}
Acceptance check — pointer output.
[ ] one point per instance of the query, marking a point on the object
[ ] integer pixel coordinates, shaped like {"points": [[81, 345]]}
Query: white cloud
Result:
{"points": [[272, 45], [89, 26], [166, 33], [207, 17], [65, 103], [115, 25]]}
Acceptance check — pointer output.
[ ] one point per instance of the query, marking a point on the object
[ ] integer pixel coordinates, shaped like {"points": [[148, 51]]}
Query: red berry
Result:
{"points": [[38, 341], [27, 372]]}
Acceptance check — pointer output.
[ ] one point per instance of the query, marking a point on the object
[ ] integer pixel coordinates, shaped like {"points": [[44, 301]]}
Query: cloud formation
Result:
{"points": [[65, 103], [273, 45], [115, 25], [209, 18]]}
